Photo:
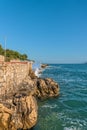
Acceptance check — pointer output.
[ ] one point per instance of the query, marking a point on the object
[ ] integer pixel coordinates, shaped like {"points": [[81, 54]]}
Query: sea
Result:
{"points": [[68, 111]]}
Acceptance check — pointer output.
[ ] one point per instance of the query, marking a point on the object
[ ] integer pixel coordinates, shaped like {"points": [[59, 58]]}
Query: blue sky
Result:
{"points": [[52, 31]]}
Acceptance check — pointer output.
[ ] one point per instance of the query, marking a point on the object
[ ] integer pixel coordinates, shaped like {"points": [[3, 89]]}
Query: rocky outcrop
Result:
{"points": [[46, 88], [18, 108], [5, 115], [25, 112], [40, 88], [19, 112], [44, 66]]}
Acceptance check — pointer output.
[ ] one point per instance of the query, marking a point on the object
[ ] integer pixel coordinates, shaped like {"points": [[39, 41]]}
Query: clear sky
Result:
{"points": [[53, 31]]}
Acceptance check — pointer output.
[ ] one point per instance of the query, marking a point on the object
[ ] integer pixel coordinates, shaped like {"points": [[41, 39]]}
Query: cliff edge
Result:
{"points": [[18, 105]]}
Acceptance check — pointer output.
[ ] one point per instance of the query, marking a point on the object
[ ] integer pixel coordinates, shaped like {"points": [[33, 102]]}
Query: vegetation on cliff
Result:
{"points": [[12, 54]]}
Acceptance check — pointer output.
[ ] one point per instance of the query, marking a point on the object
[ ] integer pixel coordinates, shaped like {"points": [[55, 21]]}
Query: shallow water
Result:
{"points": [[69, 111]]}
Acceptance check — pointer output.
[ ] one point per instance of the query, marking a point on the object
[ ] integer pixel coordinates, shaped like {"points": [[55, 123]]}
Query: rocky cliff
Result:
{"points": [[18, 106]]}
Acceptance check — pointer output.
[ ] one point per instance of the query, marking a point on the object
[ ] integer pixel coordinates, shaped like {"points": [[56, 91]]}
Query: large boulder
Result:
{"points": [[44, 66], [18, 111], [39, 87], [25, 112], [46, 88], [5, 115]]}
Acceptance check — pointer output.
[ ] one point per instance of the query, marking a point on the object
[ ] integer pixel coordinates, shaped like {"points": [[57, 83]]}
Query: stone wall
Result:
{"points": [[12, 74]]}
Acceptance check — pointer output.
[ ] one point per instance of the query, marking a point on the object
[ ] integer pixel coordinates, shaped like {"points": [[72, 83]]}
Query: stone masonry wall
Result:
{"points": [[12, 74]]}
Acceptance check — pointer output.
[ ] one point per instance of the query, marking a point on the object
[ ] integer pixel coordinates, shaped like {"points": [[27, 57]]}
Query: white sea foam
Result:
{"points": [[36, 69], [37, 72], [54, 67], [49, 106], [70, 115], [72, 128]]}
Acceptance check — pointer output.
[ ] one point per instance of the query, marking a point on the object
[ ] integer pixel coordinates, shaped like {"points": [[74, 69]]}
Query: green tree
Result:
{"points": [[1, 50], [11, 54]]}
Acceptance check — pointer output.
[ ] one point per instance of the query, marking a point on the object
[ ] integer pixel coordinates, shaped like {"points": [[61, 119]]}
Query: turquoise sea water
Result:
{"points": [[69, 110]]}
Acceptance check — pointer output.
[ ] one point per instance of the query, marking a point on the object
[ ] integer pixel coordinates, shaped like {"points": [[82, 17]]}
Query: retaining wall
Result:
{"points": [[12, 74]]}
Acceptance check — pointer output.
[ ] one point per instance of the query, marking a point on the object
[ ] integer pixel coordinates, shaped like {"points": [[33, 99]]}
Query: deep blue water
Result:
{"points": [[69, 110]]}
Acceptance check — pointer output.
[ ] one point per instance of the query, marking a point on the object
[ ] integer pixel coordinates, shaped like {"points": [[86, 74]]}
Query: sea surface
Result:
{"points": [[69, 110]]}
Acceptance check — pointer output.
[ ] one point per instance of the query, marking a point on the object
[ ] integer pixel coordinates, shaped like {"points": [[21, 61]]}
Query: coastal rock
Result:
{"points": [[32, 75], [39, 87], [5, 115], [18, 111], [25, 112], [44, 66], [46, 88], [18, 108]]}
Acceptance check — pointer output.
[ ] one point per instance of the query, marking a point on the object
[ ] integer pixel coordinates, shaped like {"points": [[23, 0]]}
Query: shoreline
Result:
{"points": [[39, 70], [23, 97]]}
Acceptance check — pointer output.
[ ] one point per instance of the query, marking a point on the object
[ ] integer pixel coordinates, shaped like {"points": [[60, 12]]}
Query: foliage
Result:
{"points": [[11, 54], [1, 50]]}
